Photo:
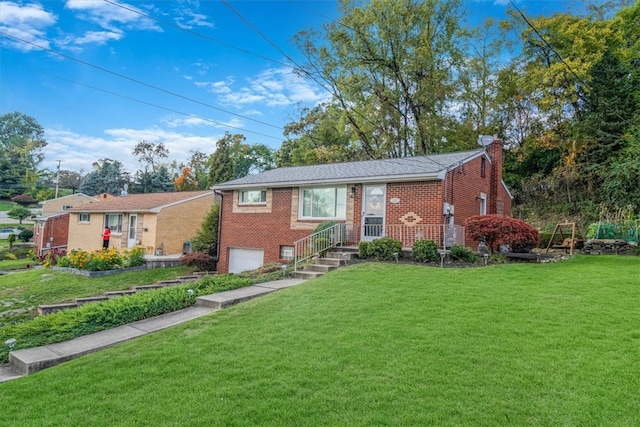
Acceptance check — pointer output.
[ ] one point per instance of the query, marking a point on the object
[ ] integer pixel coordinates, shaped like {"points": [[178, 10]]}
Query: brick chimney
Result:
{"points": [[495, 152]]}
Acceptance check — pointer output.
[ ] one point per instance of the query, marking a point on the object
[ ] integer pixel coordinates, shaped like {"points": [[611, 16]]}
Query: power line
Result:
{"points": [[195, 33], [535, 30], [137, 81], [156, 105]]}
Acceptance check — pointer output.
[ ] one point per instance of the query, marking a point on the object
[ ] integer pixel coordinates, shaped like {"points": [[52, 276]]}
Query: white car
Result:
{"points": [[6, 232]]}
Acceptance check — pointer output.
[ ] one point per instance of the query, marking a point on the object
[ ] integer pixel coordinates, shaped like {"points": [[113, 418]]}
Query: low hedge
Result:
{"points": [[88, 319]]}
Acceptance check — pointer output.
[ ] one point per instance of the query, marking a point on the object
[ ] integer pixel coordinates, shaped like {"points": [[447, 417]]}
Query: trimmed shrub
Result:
{"points": [[324, 226], [199, 261], [498, 230], [383, 249], [425, 251], [363, 249], [319, 245], [25, 235], [87, 319], [462, 253]]}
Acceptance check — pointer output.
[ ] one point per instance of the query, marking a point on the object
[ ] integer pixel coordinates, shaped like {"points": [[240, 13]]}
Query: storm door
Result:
{"points": [[373, 208]]}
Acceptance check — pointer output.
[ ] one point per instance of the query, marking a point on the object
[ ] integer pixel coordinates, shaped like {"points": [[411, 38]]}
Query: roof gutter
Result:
{"points": [[217, 257]]}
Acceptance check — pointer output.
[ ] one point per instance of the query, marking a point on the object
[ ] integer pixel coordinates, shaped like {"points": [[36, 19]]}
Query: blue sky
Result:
{"points": [[101, 75]]}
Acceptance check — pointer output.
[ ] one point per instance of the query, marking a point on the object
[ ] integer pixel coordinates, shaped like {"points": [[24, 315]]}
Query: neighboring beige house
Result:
{"points": [[52, 226], [62, 204], [160, 222]]}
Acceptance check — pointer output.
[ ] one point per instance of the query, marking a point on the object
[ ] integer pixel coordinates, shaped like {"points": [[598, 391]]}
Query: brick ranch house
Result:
{"points": [[426, 197], [160, 222]]}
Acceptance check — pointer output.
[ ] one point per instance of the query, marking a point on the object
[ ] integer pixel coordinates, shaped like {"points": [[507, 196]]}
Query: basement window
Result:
{"points": [[286, 252]]}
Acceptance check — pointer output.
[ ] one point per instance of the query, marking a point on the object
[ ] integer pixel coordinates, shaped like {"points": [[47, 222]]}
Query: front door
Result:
{"points": [[131, 235], [373, 207]]}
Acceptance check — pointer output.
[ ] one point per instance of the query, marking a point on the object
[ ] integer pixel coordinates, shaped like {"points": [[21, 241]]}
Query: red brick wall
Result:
{"points": [[266, 231], [424, 199], [56, 227]]}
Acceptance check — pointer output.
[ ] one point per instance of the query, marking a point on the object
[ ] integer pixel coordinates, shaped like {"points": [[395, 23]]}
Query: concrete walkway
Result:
{"points": [[27, 361]]}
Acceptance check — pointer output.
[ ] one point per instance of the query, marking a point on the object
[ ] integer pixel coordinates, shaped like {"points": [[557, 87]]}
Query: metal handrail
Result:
{"points": [[318, 243]]}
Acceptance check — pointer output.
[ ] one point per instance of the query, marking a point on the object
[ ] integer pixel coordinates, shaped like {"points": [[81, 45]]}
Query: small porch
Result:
{"points": [[343, 235]]}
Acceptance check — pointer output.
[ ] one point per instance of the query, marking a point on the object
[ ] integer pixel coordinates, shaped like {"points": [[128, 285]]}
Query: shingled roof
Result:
{"points": [[384, 170], [149, 202]]}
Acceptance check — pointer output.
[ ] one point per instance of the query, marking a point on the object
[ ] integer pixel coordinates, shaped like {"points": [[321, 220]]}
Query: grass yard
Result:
{"points": [[22, 292], [17, 264], [6, 205], [375, 344]]}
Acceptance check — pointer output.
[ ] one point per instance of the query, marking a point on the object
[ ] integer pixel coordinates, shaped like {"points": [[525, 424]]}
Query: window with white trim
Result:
{"points": [[252, 197], [323, 203], [114, 222], [483, 204], [84, 217]]}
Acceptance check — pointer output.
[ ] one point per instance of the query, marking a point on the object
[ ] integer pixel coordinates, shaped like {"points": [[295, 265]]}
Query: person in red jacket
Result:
{"points": [[106, 235]]}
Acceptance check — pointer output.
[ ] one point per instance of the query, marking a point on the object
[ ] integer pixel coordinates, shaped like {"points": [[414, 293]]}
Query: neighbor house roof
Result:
{"points": [[78, 197], [149, 202], [383, 170]]}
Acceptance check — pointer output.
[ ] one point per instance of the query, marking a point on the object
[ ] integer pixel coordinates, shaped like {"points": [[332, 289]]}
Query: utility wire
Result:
{"points": [[535, 30], [156, 105], [195, 33], [137, 81]]}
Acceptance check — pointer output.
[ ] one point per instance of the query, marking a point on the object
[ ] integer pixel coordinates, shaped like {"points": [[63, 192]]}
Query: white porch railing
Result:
{"points": [[444, 235], [318, 243]]}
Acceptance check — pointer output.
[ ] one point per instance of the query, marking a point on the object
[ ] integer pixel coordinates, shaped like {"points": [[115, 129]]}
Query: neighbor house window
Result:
{"points": [[84, 217], [323, 202], [253, 196], [114, 222]]}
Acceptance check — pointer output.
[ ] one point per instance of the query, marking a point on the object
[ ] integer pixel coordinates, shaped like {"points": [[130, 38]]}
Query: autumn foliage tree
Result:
{"points": [[497, 230]]}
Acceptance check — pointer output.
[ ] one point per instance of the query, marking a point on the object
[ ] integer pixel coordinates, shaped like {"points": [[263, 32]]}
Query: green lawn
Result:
{"points": [[8, 265], [375, 344], [6, 205], [22, 292]]}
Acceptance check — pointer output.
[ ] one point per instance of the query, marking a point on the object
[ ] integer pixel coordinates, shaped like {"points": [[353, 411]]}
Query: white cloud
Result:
{"points": [[27, 22], [107, 15], [190, 19], [80, 151], [272, 88], [98, 37]]}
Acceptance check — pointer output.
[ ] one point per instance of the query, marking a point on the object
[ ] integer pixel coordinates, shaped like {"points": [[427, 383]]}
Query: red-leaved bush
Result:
{"points": [[496, 230]]}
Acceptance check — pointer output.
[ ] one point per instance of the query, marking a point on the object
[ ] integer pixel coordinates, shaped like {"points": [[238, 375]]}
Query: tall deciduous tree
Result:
{"points": [[21, 144], [70, 180], [390, 68], [108, 176], [235, 159]]}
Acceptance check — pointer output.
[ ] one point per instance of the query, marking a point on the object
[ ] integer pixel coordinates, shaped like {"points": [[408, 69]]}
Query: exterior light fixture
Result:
{"points": [[10, 343], [353, 192]]}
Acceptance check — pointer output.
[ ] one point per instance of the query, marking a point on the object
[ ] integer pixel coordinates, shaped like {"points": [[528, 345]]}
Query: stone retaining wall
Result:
{"points": [[609, 247]]}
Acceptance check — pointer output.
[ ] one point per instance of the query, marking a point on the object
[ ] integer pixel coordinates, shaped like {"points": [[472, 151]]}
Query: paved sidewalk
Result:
{"points": [[27, 361]]}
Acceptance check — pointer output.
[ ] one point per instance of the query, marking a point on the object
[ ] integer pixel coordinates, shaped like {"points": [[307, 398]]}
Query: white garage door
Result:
{"points": [[245, 259]]}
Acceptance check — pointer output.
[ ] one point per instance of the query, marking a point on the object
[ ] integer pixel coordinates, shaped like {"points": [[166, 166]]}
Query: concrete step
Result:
{"points": [[224, 299], [328, 261], [48, 309], [307, 275], [165, 283], [89, 300], [147, 287], [322, 268], [119, 293], [341, 255]]}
